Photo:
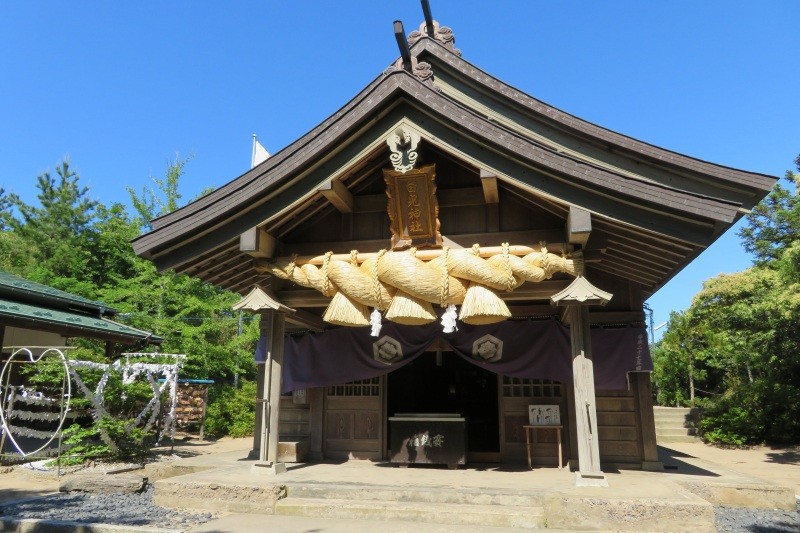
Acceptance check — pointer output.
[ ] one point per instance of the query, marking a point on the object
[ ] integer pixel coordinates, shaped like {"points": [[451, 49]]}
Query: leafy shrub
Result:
{"points": [[753, 413], [231, 411], [124, 441]]}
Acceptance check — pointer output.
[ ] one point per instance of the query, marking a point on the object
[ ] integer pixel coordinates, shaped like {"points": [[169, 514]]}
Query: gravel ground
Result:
{"points": [[757, 520], [138, 509], [135, 509]]}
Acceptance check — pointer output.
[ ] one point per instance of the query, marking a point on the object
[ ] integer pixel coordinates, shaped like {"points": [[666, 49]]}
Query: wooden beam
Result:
{"points": [[533, 310], [258, 243], [491, 196], [489, 185], [376, 203], [424, 255], [615, 317], [229, 271], [227, 251], [339, 195], [553, 238], [625, 273], [579, 225], [306, 320], [299, 298]]}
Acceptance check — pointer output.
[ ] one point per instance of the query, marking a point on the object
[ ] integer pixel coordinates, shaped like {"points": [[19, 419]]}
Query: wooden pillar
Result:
{"points": [[316, 399], [643, 395], [260, 370], [273, 326], [589, 471], [273, 329], [576, 298]]}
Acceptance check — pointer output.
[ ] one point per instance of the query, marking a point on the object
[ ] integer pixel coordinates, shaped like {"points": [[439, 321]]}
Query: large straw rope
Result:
{"points": [[405, 286]]}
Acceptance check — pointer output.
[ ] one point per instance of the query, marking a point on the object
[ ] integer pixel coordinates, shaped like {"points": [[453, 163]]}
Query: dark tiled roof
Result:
{"points": [[28, 304], [590, 129], [69, 323], [29, 291], [693, 210]]}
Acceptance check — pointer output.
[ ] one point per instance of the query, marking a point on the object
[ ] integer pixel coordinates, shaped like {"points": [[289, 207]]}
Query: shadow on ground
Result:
{"points": [[671, 459]]}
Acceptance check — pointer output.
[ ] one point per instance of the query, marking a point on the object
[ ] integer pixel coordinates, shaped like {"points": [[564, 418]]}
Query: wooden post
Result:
{"points": [[273, 325], [577, 297], [316, 398], [275, 363], [589, 471], [643, 396], [260, 371]]}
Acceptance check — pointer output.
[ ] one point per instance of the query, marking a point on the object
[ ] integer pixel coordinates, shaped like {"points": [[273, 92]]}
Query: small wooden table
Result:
{"points": [[530, 440]]}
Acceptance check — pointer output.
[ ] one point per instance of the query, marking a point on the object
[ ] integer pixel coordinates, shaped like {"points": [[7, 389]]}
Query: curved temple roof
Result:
{"points": [[667, 205], [31, 305]]}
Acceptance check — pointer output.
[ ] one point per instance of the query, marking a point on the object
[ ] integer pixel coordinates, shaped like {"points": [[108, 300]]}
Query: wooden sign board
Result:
{"points": [[544, 415], [413, 208]]}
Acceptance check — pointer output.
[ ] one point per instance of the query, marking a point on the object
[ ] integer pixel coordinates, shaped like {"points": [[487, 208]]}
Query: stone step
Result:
{"points": [[672, 416], [417, 512], [469, 496], [670, 431], [672, 424], [676, 438]]}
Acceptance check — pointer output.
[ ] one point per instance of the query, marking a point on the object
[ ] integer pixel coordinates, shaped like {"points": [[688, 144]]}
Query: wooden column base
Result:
{"points": [[270, 469], [652, 466]]}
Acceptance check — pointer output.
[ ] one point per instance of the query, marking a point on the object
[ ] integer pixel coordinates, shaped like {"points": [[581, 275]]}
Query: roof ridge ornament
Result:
{"points": [[407, 62], [442, 35], [432, 29]]}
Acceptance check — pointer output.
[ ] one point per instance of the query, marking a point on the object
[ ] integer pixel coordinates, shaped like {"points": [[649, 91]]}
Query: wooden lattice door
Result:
{"points": [[354, 420]]}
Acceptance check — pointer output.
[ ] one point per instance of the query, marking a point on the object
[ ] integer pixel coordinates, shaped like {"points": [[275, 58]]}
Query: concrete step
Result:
{"points": [[675, 432], [468, 496], [417, 512], [676, 438], [685, 424]]}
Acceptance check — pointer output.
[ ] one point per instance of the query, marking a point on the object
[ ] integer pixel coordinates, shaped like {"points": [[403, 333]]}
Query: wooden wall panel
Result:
{"points": [[294, 420], [618, 429]]}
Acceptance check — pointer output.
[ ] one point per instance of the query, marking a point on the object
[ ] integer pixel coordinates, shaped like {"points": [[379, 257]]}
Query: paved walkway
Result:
{"points": [[682, 460], [780, 466]]}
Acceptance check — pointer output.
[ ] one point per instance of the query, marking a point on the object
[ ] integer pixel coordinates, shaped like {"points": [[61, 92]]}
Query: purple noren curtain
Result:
{"points": [[525, 349]]}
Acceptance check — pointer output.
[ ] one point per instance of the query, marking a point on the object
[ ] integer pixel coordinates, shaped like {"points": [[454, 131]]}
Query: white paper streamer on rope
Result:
{"points": [[449, 319], [28, 432], [29, 399], [43, 416], [10, 430], [130, 371], [375, 322]]}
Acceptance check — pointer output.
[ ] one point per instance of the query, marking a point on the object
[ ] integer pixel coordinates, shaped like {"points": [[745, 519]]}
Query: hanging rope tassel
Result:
{"points": [[449, 319], [375, 322]]}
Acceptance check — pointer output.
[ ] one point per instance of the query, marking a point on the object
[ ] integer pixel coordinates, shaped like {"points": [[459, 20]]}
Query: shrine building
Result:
{"points": [[447, 260]]}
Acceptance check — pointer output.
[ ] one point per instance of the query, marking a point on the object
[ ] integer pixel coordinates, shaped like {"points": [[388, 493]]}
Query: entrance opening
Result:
{"points": [[449, 385]]}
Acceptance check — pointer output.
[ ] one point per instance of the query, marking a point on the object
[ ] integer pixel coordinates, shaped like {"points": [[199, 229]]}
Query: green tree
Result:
{"points": [[56, 231], [774, 224], [741, 330], [153, 203]]}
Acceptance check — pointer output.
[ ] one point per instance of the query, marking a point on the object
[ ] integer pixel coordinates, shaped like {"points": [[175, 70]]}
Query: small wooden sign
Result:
{"points": [[413, 208], [544, 415]]}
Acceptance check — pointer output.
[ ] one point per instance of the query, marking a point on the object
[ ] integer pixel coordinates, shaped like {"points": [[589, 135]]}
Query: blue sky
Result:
{"points": [[121, 88]]}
